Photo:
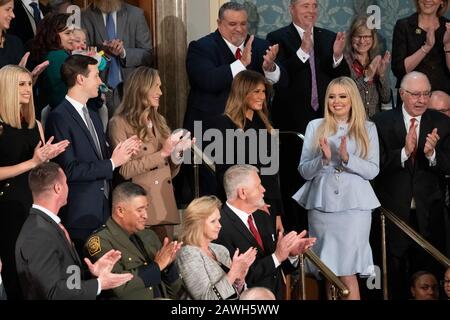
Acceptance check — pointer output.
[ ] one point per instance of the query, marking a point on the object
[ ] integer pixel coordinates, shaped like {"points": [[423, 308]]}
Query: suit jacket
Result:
{"points": [[132, 29], [149, 170], [235, 235], [45, 262], [322, 190], [208, 67], [139, 262], [407, 39], [205, 278], [396, 185], [85, 169], [292, 104], [21, 25]]}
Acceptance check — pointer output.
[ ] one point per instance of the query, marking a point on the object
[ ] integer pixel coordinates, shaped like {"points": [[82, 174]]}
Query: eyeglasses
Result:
{"points": [[417, 95], [445, 282], [364, 38]]}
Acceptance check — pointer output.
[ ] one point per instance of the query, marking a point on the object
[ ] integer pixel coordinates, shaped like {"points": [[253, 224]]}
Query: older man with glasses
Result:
{"points": [[414, 158]]}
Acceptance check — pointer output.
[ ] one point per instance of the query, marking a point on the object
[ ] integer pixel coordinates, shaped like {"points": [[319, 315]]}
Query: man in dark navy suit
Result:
{"points": [[214, 60], [87, 161]]}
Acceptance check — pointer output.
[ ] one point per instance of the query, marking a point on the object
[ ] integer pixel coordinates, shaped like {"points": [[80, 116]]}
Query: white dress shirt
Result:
{"points": [[237, 66], [303, 56], [29, 10]]}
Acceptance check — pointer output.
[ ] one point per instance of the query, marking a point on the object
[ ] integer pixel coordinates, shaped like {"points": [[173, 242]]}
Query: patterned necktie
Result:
{"points": [[412, 127], [90, 126], [238, 54], [254, 231], [36, 13], [114, 67], [65, 232], [314, 93]]}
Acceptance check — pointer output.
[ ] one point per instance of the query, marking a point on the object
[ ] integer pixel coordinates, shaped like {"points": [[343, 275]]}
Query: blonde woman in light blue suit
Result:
{"points": [[339, 158]]}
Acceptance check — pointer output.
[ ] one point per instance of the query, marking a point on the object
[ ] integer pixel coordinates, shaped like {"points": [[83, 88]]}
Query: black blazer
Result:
{"points": [[291, 109], [235, 235], [21, 24], [45, 262], [395, 186], [84, 168], [407, 39], [208, 67]]}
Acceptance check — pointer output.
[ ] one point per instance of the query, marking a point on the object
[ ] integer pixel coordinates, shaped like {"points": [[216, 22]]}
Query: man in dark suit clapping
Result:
{"points": [[245, 225], [87, 161], [47, 264]]}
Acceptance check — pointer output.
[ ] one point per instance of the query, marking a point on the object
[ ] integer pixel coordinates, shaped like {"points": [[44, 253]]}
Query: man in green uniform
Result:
{"points": [[155, 274]]}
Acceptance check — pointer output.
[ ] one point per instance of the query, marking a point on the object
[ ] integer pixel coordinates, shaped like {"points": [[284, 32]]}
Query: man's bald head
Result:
{"points": [[440, 101]]}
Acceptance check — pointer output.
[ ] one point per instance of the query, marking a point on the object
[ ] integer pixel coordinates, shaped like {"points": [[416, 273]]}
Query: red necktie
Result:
{"points": [[254, 231], [238, 54], [65, 232], [412, 127]]}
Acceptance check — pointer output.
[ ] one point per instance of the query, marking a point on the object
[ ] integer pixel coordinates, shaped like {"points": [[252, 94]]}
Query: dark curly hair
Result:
{"points": [[47, 35]]}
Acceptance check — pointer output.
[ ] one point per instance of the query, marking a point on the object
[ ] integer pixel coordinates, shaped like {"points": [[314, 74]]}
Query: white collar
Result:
{"points": [[241, 214], [77, 105], [232, 47], [408, 117], [301, 31], [53, 216]]}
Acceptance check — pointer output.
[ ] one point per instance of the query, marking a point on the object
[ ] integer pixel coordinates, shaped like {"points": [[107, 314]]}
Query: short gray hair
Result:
{"points": [[235, 6], [235, 177], [413, 74]]}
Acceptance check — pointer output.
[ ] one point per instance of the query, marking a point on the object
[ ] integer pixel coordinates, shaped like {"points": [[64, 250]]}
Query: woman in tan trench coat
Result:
{"points": [[152, 167]]}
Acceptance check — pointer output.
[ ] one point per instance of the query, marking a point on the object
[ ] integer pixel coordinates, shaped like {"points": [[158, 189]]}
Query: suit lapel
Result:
{"points": [[237, 223], [99, 22], [121, 21], [400, 133], [294, 38], [76, 116], [224, 49]]}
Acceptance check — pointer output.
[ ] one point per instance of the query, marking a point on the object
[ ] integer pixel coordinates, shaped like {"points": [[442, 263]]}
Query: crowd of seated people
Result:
{"points": [[95, 181]]}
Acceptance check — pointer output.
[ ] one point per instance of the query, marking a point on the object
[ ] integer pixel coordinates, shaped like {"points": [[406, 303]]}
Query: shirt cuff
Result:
{"points": [[112, 163], [273, 76], [403, 157], [124, 55], [99, 286], [275, 261], [432, 159], [337, 62], [1, 279], [302, 55], [237, 67], [293, 260]]}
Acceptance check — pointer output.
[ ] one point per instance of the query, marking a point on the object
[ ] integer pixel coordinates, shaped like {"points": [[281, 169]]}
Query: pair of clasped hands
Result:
{"points": [[326, 150]]}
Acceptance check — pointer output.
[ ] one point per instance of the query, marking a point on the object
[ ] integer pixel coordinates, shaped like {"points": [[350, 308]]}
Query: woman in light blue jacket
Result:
{"points": [[339, 158]]}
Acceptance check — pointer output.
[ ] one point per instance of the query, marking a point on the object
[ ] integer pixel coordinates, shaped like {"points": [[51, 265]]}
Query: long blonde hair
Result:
{"points": [[237, 106], [357, 118], [135, 107], [10, 107], [194, 219]]}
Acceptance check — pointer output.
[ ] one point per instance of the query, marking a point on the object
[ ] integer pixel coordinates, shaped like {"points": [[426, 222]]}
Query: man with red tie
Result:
{"points": [[414, 158], [245, 225], [48, 265]]}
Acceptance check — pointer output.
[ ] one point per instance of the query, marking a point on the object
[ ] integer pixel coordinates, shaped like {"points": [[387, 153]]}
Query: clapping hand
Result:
{"points": [[167, 254], [246, 57], [339, 45], [302, 244], [241, 263], [343, 149], [431, 142], [102, 270], [373, 67], [307, 42], [384, 62], [269, 58], [430, 41], [37, 70], [123, 152], [325, 147], [48, 151], [446, 39]]}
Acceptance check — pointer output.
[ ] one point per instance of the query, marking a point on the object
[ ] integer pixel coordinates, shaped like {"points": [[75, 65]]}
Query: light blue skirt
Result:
{"points": [[342, 241]]}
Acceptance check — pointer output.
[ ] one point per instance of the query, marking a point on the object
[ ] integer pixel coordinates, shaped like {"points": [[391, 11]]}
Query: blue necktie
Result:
{"points": [[36, 13], [114, 67]]}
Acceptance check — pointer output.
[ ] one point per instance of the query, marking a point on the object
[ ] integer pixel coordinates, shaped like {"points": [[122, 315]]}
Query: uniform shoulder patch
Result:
{"points": [[94, 245]]}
